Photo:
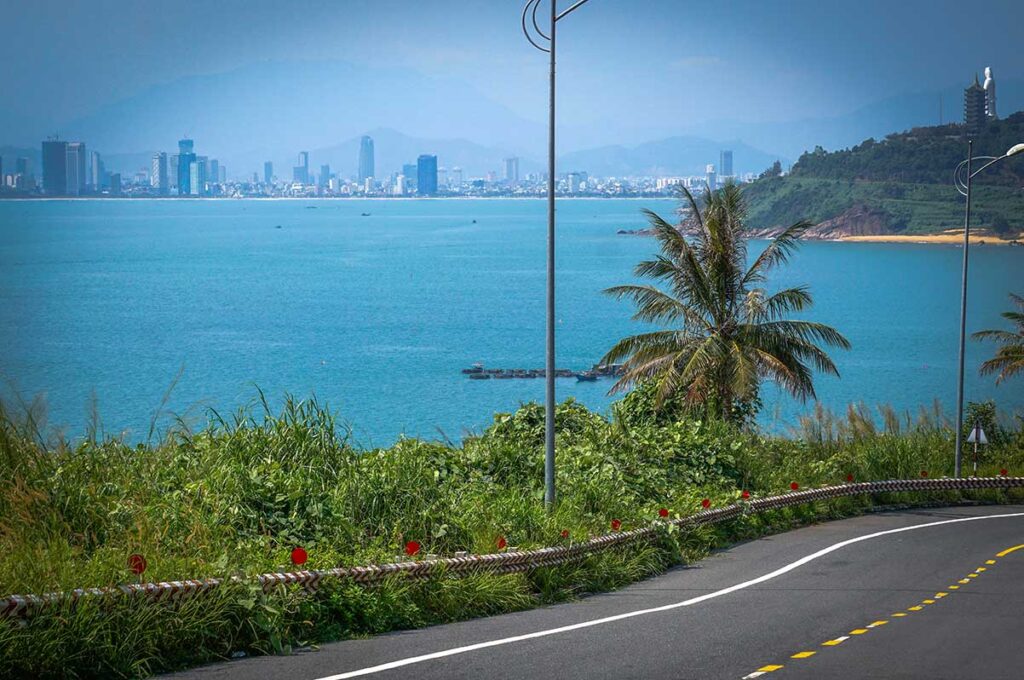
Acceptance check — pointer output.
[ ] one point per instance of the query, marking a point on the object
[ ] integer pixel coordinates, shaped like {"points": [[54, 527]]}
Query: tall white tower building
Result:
{"points": [[990, 94]]}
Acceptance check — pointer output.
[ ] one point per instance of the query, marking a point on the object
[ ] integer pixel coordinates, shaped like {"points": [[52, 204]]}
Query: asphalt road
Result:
{"points": [[827, 601]]}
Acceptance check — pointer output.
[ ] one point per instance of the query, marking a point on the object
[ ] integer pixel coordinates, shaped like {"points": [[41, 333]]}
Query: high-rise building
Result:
{"points": [[366, 168], [442, 176], [974, 106], [325, 176], [426, 175], [213, 172], [96, 170], [268, 172], [55, 167], [158, 174], [186, 156], [76, 181], [710, 177], [23, 169], [725, 163], [456, 176], [512, 170], [410, 171], [300, 173], [197, 176], [223, 178], [115, 184]]}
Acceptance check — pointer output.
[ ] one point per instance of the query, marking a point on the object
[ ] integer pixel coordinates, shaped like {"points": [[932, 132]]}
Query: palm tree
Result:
{"points": [[1009, 359], [727, 333]]}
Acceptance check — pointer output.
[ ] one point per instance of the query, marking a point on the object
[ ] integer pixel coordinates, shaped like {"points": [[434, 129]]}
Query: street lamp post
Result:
{"points": [[962, 177], [537, 39]]}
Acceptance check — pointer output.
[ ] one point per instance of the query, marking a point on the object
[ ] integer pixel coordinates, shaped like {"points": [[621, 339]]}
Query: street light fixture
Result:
{"points": [[538, 40], [962, 177]]}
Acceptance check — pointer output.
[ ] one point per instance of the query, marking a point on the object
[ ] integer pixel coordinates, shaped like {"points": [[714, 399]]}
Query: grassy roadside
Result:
{"points": [[235, 497]]}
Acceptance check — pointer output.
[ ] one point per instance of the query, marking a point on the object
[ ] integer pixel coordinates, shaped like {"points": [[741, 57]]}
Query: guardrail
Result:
{"points": [[24, 606]]}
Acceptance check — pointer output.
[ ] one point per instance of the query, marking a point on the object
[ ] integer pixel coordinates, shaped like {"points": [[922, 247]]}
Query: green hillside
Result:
{"points": [[906, 179]]}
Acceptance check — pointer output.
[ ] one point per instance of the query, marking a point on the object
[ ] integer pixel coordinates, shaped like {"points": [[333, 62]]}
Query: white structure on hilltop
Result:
{"points": [[990, 94]]}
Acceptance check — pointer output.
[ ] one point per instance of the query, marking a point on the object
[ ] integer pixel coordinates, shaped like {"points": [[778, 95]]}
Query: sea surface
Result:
{"points": [[111, 303]]}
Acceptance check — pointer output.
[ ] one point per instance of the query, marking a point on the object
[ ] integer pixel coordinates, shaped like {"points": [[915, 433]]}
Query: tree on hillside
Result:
{"points": [[1009, 358], [727, 333]]}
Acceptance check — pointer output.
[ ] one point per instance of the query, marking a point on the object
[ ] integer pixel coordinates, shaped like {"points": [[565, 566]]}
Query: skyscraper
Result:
{"points": [[456, 176], [213, 172], [55, 168], [426, 175], [325, 176], [512, 170], [158, 174], [76, 168], [197, 176], [268, 172], [186, 157], [300, 173], [710, 177], [725, 163], [97, 171], [366, 168]]}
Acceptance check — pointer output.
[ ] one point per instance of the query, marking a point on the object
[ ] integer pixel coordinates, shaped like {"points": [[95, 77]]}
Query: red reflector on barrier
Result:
{"points": [[849, 478], [924, 473], [616, 525], [411, 548], [502, 542], [706, 503], [565, 533], [137, 563], [299, 556], [1003, 472], [663, 512], [794, 486], [745, 495]]}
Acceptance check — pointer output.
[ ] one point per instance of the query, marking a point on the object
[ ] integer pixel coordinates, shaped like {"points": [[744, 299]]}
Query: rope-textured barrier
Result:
{"points": [[495, 563]]}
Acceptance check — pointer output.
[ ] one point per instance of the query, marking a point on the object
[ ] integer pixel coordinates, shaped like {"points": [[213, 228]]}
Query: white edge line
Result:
{"points": [[654, 610]]}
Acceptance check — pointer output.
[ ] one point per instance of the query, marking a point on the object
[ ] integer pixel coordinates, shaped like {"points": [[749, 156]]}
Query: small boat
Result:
{"points": [[479, 376], [586, 376], [475, 368], [277, 226], [364, 214]]}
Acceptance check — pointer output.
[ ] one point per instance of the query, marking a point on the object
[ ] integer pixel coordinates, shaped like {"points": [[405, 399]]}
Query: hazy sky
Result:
{"points": [[626, 64]]}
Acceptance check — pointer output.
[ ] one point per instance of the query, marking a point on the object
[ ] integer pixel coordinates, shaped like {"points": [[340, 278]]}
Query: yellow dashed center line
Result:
{"points": [[860, 631]]}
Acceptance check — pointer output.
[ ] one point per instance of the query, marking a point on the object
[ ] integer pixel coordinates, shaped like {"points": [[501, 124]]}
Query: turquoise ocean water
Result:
{"points": [[377, 314]]}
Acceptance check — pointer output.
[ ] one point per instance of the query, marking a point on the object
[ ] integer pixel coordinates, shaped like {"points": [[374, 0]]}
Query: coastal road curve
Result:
{"points": [[936, 593]]}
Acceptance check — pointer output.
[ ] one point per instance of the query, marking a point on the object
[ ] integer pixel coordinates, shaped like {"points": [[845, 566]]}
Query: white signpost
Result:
{"points": [[976, 437]]}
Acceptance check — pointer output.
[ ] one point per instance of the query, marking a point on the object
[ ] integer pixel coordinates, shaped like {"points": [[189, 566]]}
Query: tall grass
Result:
{"points": [[234, 496]]}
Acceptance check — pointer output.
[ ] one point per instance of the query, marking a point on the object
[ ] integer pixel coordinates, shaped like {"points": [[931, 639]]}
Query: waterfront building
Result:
{"points": [[172, 172], [115, 184], [456, 176], [442, 176], [990, 94], [55, 167], [186, 156], [400, 185], [710, 177], [725, 163], [366, 160], [197, 176], [76, 180], [158, 174], [268, 172], [974, 106], [96, 171], [426, 175], [411, 173], [300, 173], [213, 171], [512, 170], [223, 177], [325, 176]]}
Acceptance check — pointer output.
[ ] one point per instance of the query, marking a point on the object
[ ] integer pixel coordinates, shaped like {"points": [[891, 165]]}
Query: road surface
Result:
{"points": [[914, 594]]}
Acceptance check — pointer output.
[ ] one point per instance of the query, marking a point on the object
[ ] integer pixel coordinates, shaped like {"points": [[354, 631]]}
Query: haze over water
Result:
{"points": [[377, 314]]}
